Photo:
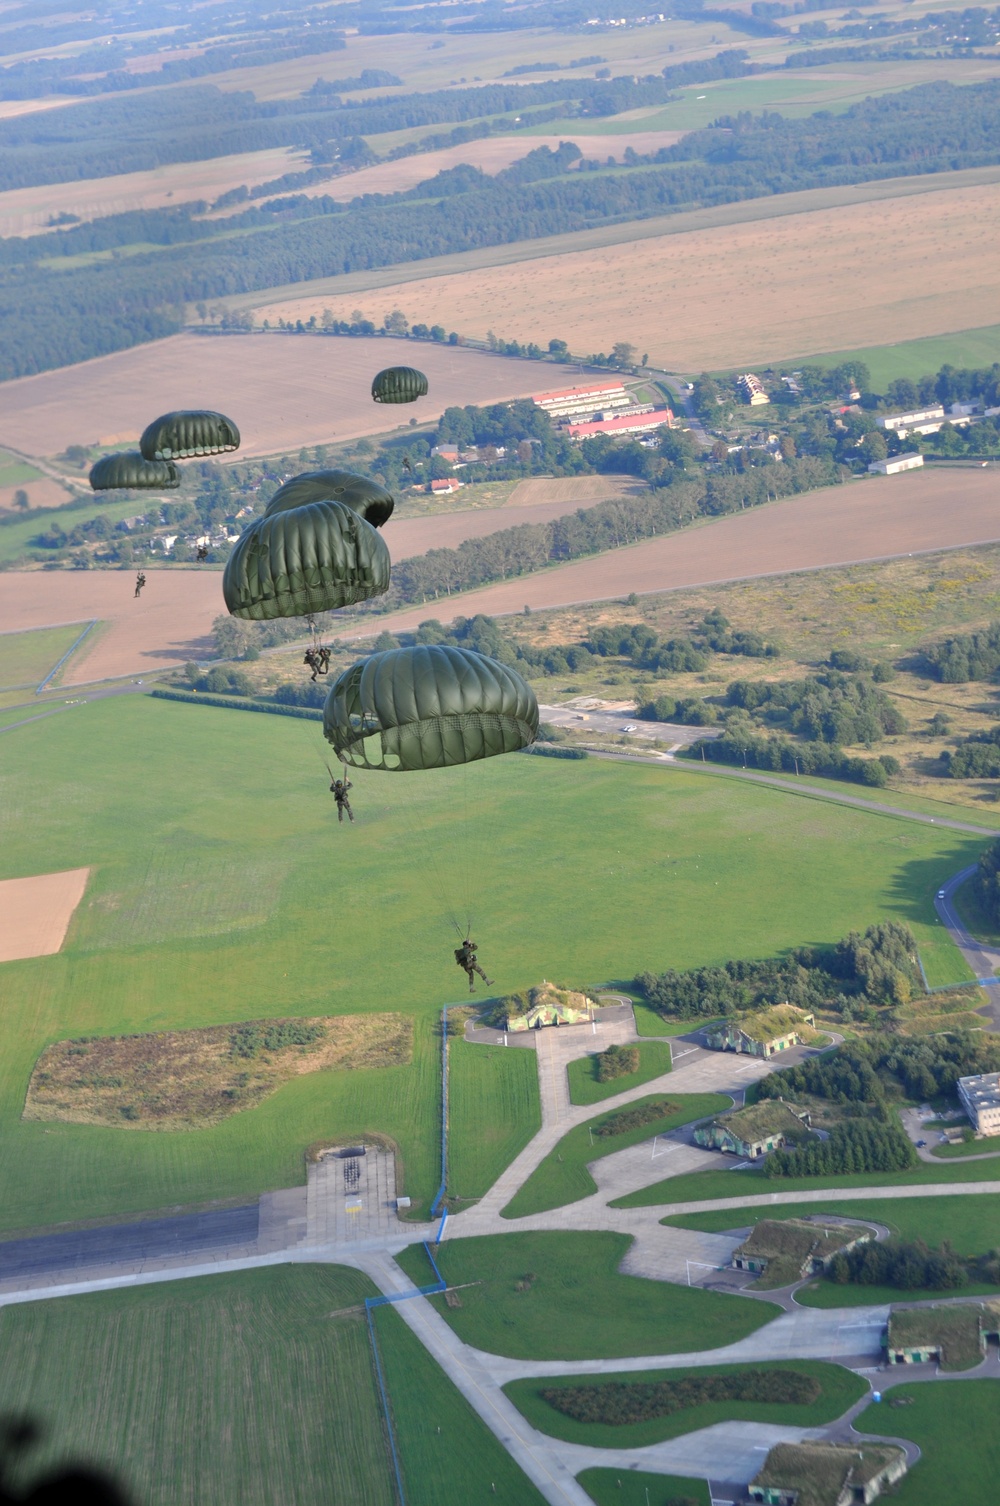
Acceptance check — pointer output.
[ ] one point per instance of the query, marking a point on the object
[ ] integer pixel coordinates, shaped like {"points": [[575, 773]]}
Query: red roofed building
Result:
{"points": [[625, 423], [580, 400], [448, 484]]}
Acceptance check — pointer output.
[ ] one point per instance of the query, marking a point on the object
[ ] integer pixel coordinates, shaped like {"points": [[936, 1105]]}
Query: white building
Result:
{"points": [[583, 401], [980, 1098], [896, 463], [901, 422]]}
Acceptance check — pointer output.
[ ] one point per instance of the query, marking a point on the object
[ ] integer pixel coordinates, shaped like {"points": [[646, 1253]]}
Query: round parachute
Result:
{"points": [[310, 559], [362, 496], [179, 436], [428, 707], [128, 469], [399, 384]]}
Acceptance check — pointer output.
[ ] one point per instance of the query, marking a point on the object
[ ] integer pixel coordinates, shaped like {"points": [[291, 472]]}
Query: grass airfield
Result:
{"points": [[224, 890]]}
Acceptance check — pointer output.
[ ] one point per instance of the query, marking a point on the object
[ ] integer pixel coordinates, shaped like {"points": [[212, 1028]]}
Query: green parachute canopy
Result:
{"points": [[399, 384], [428, 707], [179, 436], [128, 469], [362, 496], [309, 559]]}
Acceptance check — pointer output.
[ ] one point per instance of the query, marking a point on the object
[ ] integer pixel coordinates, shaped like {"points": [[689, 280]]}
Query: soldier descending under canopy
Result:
{"points": [[465, 956]]}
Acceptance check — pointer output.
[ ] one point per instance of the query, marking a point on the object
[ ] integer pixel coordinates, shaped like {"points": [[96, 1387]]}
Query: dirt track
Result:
{"points": [[283, 391], [35, 912], [872, 519]]}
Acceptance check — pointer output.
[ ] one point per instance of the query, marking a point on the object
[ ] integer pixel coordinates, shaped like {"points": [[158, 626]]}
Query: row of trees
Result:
{"points": [[858, 1145], [619, 1403], [911, 1266], [877, 1069], [878, 967], [741, 746]]}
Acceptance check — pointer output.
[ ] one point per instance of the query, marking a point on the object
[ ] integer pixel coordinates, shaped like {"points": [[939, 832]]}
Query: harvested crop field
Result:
{"points": [[491, 154], [35, 912], [42, 492], [554, 498], [880, 518], [763, 281], [182, 1079], [284, 391], [26, 211]]}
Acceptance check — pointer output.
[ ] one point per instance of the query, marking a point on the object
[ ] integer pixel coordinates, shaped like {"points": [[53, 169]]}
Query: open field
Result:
{"points": [[706, 305], [584, 1087], [971, 1224], [141, 1381], [26, 657], [42, 491], [494, 1109], [839, 1389], [26, 211], [283, 391], [877, 518], [954, 1423], [183, 809], [167, 625], [540, 502], [631, 1487], [304, 1420], [917, 358], [527, 1300], [563, 1176], [35, 912]]}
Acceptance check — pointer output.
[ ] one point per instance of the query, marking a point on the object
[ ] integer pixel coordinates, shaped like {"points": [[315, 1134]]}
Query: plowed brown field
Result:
{"points": [[879, 518], [35, 912], [283, 391], [774, 287]]}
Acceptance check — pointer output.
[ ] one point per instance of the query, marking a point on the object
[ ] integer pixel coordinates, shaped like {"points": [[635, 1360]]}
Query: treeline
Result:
{"points": [[986, 884], [911, 1266], [876, 1070], [976, 757], [859, 1145], [643, 648], [92, 309], [876, 968], [748, 750], [619, 1403], [608, 525]]}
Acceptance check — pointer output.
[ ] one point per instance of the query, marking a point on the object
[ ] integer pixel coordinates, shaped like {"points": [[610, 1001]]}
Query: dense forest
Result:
{"points": [[859, 1145], [882, 1069], [51, 317]]}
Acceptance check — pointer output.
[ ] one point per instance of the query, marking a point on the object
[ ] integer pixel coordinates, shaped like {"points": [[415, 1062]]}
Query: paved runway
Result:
{"points": [[150, 1239]]}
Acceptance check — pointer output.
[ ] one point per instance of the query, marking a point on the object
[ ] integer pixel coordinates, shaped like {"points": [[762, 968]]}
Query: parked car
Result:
{"points": [[940, 894], [630, 728]]}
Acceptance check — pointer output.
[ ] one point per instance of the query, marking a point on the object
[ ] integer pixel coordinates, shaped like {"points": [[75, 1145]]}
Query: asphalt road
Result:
{"points": [[151, 1239]]}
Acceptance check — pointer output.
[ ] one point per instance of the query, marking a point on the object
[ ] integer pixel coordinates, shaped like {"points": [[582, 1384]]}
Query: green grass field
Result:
{"points": [[988, 1145], [494, 1110], [223, 890], [827, 1294], [839, 1389], [15, 538], [26, 658], [970, 1223], [632, 1487], [955, 1425], [917, 358], [584, 1088], [648, 1022], [563, 1176], [578, 1306], [142, 1381], [14, 472]]}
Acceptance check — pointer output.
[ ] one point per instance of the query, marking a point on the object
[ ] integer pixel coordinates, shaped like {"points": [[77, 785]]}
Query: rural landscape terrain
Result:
{"points": [[389, 388]]}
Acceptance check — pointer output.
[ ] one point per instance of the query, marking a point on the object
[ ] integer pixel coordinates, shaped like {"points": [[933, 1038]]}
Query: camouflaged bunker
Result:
{"points": [[545, 1005]]}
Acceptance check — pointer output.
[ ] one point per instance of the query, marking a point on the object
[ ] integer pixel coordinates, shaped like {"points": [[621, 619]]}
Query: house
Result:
{"points": [[752, 1132], [447, 484], [765, 1033], [579, 401], [791, 1248], [752, 390], [896, 463], [447, 452], [980, 1098], [954, 1336], [899, 423], [826, 1474], [546, 1005], [639, 421]]}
